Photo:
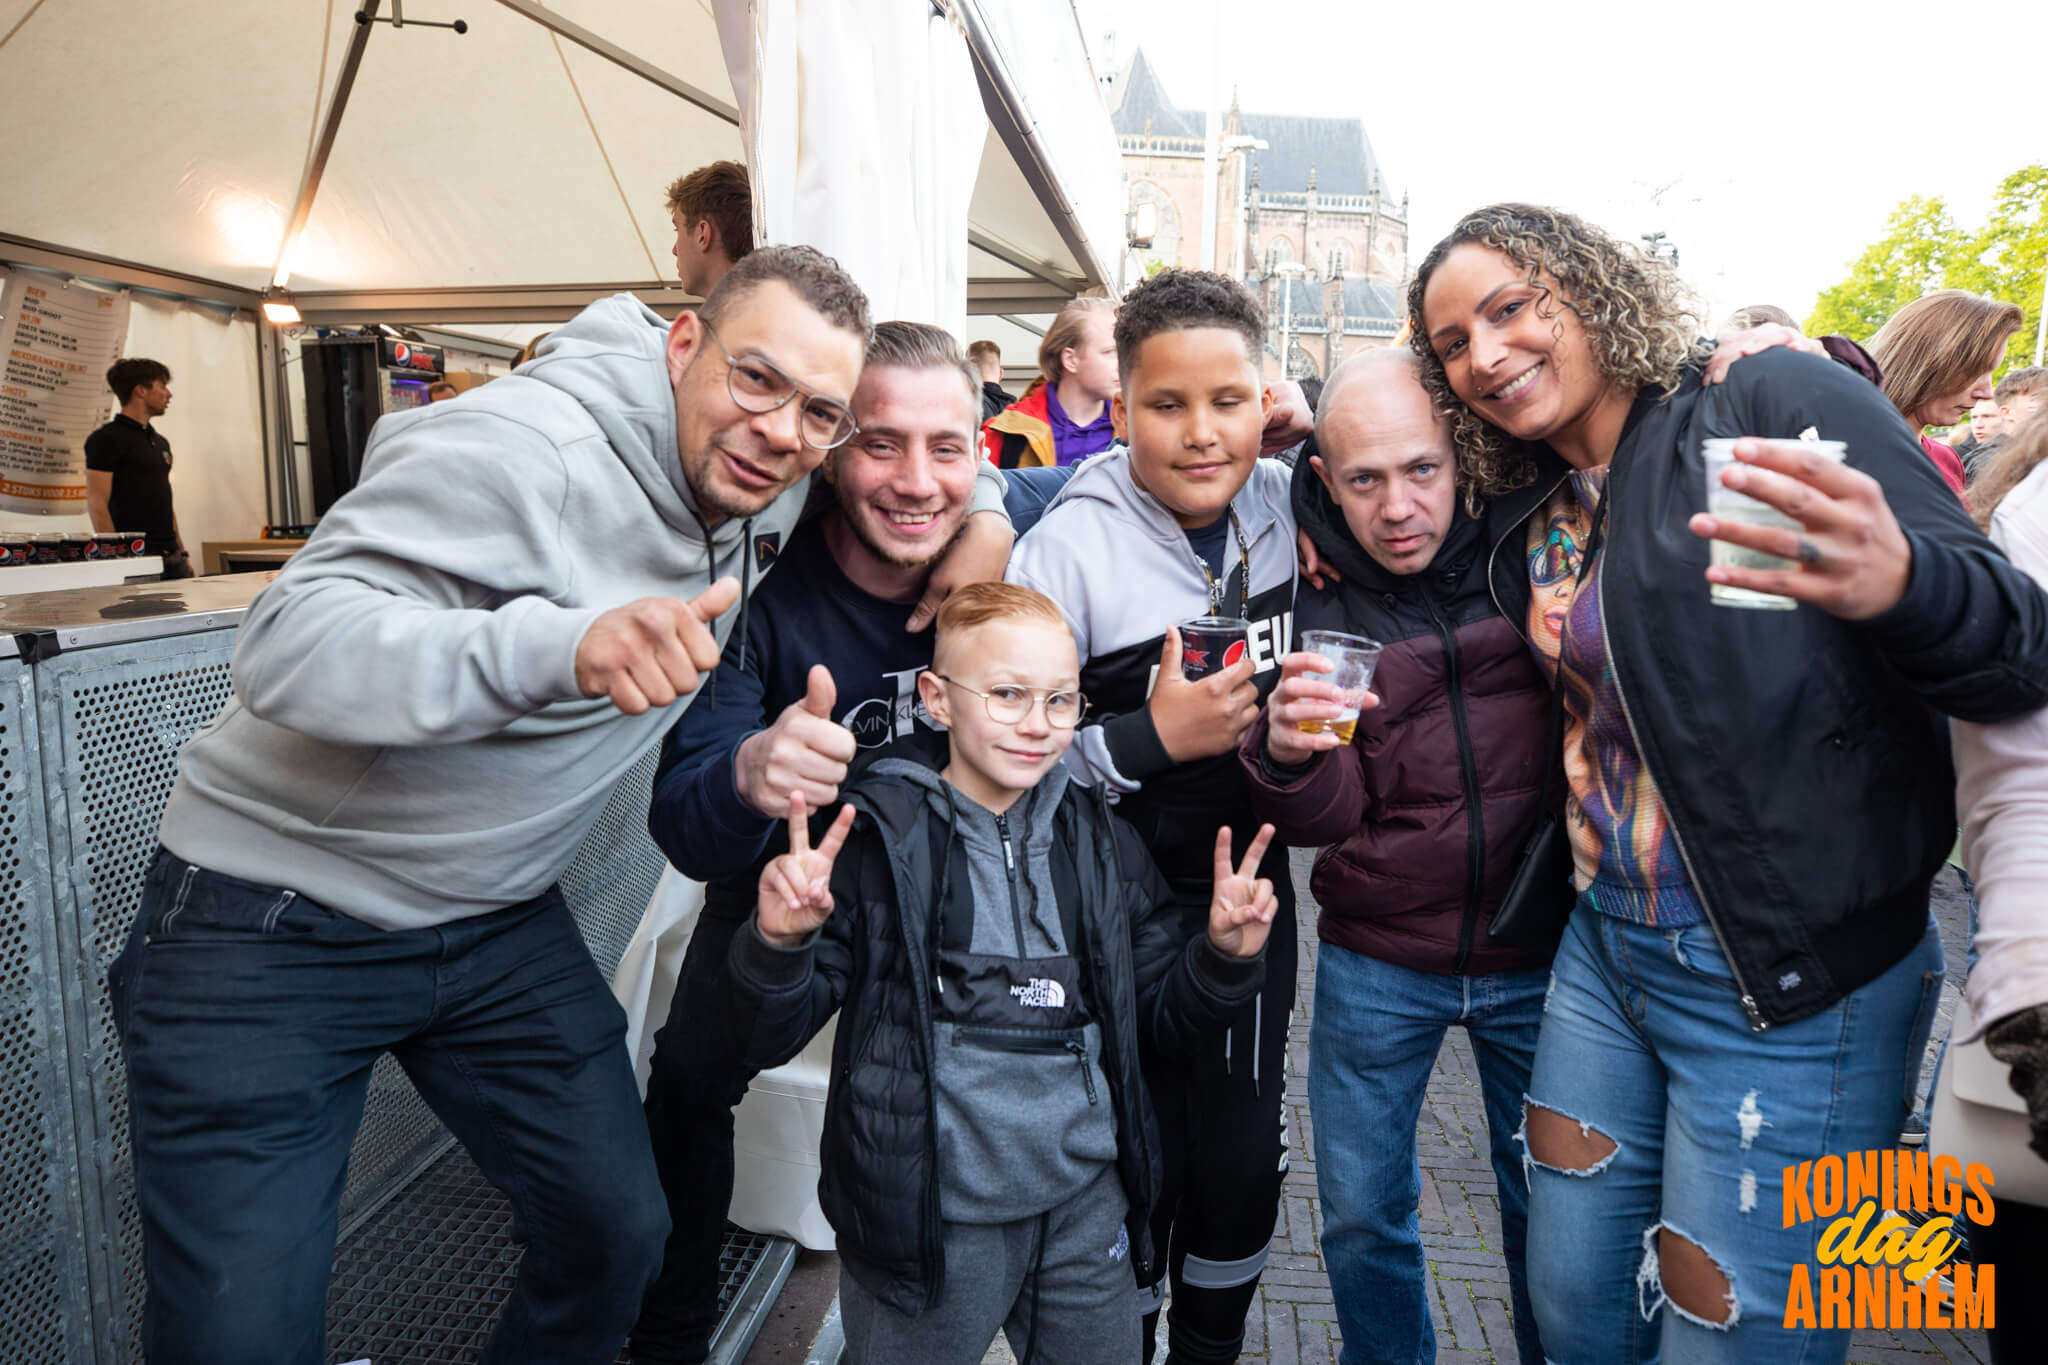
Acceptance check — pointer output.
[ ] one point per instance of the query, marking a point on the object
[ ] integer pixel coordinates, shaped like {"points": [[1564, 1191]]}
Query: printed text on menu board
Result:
{"points": [[56, 342]]}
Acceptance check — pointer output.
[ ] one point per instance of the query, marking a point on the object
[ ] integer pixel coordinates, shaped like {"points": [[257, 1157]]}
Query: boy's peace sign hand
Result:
{"points": [[796, 888], [1241, 909]]}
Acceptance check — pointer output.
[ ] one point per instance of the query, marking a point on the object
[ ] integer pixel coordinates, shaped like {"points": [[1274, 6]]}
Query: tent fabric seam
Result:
{"points": [[604, 154]]}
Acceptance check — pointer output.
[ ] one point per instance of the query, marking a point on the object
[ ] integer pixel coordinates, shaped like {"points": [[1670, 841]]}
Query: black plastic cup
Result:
{"points": [[1210, 644]]}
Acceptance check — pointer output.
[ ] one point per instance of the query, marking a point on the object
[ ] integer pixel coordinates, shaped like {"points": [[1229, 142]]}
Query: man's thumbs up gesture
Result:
{"points": [[804, 751]]}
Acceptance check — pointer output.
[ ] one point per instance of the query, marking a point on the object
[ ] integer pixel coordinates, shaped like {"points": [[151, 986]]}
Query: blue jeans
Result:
{"points": [[1645, 1043], [250, 1018], [1375, 1036]]}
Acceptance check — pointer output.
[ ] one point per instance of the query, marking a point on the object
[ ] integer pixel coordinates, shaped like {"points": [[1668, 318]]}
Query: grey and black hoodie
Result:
{"points": [[407, 743], [1122, 571]]}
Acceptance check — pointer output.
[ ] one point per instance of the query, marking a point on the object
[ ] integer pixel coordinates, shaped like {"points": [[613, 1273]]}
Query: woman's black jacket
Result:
{"points": [[1804, 759]]}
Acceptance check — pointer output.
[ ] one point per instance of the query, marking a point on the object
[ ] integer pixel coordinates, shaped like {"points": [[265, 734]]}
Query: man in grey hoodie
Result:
{"points": [[432, 704]]}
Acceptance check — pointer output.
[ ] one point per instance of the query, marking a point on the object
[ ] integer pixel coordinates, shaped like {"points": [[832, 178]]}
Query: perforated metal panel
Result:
{"points": [[110, 724], [613, 875], [45, 1304], [102, 730]]}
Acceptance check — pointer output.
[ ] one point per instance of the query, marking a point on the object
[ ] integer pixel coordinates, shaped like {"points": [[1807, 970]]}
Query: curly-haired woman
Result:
{"points": [[1757, 800]]}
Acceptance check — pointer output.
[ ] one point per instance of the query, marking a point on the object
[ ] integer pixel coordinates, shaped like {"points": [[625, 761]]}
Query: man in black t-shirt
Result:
{"points": [[128, 464], [821, 675]]}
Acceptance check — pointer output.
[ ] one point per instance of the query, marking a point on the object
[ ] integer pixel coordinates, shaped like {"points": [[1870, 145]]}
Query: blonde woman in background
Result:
{"points": [[1063, 418]]}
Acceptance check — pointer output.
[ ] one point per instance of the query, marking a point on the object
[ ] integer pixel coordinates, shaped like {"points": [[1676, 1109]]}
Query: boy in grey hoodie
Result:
{"points": [[432, 703], [996, 940]]}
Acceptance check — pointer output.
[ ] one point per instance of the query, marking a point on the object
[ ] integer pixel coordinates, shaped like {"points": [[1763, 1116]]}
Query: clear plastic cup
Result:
{"points": [[1355, 658], [1728, 505]]}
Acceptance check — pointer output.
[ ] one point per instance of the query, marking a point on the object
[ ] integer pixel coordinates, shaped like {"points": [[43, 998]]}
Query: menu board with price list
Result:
{"points": [[56, 342]]}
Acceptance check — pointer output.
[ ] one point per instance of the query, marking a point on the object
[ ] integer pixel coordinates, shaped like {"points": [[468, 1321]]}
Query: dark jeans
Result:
{"points": [[251, 1017], [694, 1082]]}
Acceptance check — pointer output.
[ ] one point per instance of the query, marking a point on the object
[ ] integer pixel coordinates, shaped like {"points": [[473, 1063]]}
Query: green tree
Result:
{"points": [[1924, 249], [2007, 257], [1912, 257]]}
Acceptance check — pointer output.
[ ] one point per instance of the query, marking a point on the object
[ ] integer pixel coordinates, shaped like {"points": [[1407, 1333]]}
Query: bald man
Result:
{"points": [[1424, 812]]}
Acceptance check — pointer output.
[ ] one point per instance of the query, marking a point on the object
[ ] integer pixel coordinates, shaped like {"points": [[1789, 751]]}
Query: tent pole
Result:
{"points": [[639, 66], [267, 399], [316, 165]]}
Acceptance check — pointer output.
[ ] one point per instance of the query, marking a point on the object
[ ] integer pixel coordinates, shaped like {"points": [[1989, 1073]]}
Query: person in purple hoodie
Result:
{"points": [[1063, 418]]}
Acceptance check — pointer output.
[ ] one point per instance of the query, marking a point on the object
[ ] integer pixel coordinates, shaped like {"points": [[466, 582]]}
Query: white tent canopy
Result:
{"points": [[509, 173], [401, 172]]}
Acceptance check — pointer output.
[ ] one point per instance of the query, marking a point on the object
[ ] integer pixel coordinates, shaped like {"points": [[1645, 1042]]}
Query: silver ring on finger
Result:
{"points": [[1810, 555]]}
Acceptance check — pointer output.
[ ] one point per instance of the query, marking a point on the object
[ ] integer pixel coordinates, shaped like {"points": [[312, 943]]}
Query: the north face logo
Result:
{"points": [[1041, 993]]}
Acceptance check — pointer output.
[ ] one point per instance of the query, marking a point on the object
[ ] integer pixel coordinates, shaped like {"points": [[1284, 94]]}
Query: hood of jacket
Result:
{"points": [[612, 360], [1319, 516]]}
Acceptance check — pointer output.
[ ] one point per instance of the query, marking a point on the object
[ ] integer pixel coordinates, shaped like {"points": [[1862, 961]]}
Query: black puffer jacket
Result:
{"points": [[1142, 975], [1425, 813]]}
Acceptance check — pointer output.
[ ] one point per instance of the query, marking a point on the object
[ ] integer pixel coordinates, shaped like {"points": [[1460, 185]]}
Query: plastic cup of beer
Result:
{"points": [[1728, 505], [1355, 658]]}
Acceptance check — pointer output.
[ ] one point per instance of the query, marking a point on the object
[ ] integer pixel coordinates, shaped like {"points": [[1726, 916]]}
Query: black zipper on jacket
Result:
{"points": [[1475, 817], [1757, 1021], [1010, 877]]}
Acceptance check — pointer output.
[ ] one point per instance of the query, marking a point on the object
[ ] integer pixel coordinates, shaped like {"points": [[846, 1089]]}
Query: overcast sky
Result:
{"points": [[1780, 134]]}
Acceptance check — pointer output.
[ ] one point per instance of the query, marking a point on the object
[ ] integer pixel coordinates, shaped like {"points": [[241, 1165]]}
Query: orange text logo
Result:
{"points": [[1874, 1267]]}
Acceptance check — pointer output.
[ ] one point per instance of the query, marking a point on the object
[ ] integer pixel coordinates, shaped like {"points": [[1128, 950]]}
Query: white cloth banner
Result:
{"points": [[215, 422], [56, 341], [864, 129]]}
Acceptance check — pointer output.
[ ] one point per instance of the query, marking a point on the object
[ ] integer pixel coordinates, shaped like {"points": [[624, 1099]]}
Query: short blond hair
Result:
{"points": [[981, 604], [1069, 325]]}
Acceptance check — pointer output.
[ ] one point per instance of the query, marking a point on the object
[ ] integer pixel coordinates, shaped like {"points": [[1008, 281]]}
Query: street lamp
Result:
{"points": [[1287, 272]]}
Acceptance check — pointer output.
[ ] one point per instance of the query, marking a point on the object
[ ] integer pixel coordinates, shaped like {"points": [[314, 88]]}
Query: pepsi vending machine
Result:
{"points": [[351, 381]]}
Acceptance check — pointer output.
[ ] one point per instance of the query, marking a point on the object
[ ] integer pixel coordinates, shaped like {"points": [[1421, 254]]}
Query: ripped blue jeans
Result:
{"points": [[1695, 1117]]}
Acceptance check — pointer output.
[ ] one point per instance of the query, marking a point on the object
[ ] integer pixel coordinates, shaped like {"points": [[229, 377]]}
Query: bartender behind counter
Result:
{"points": [[128, 464]]}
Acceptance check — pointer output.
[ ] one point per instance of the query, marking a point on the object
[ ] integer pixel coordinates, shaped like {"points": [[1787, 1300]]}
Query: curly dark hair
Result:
{"points": [[1640, 325], [1177, 300]]}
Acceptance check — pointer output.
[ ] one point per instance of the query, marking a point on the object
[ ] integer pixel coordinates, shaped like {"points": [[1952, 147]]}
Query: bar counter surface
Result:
{"points": [[81, 618]]}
